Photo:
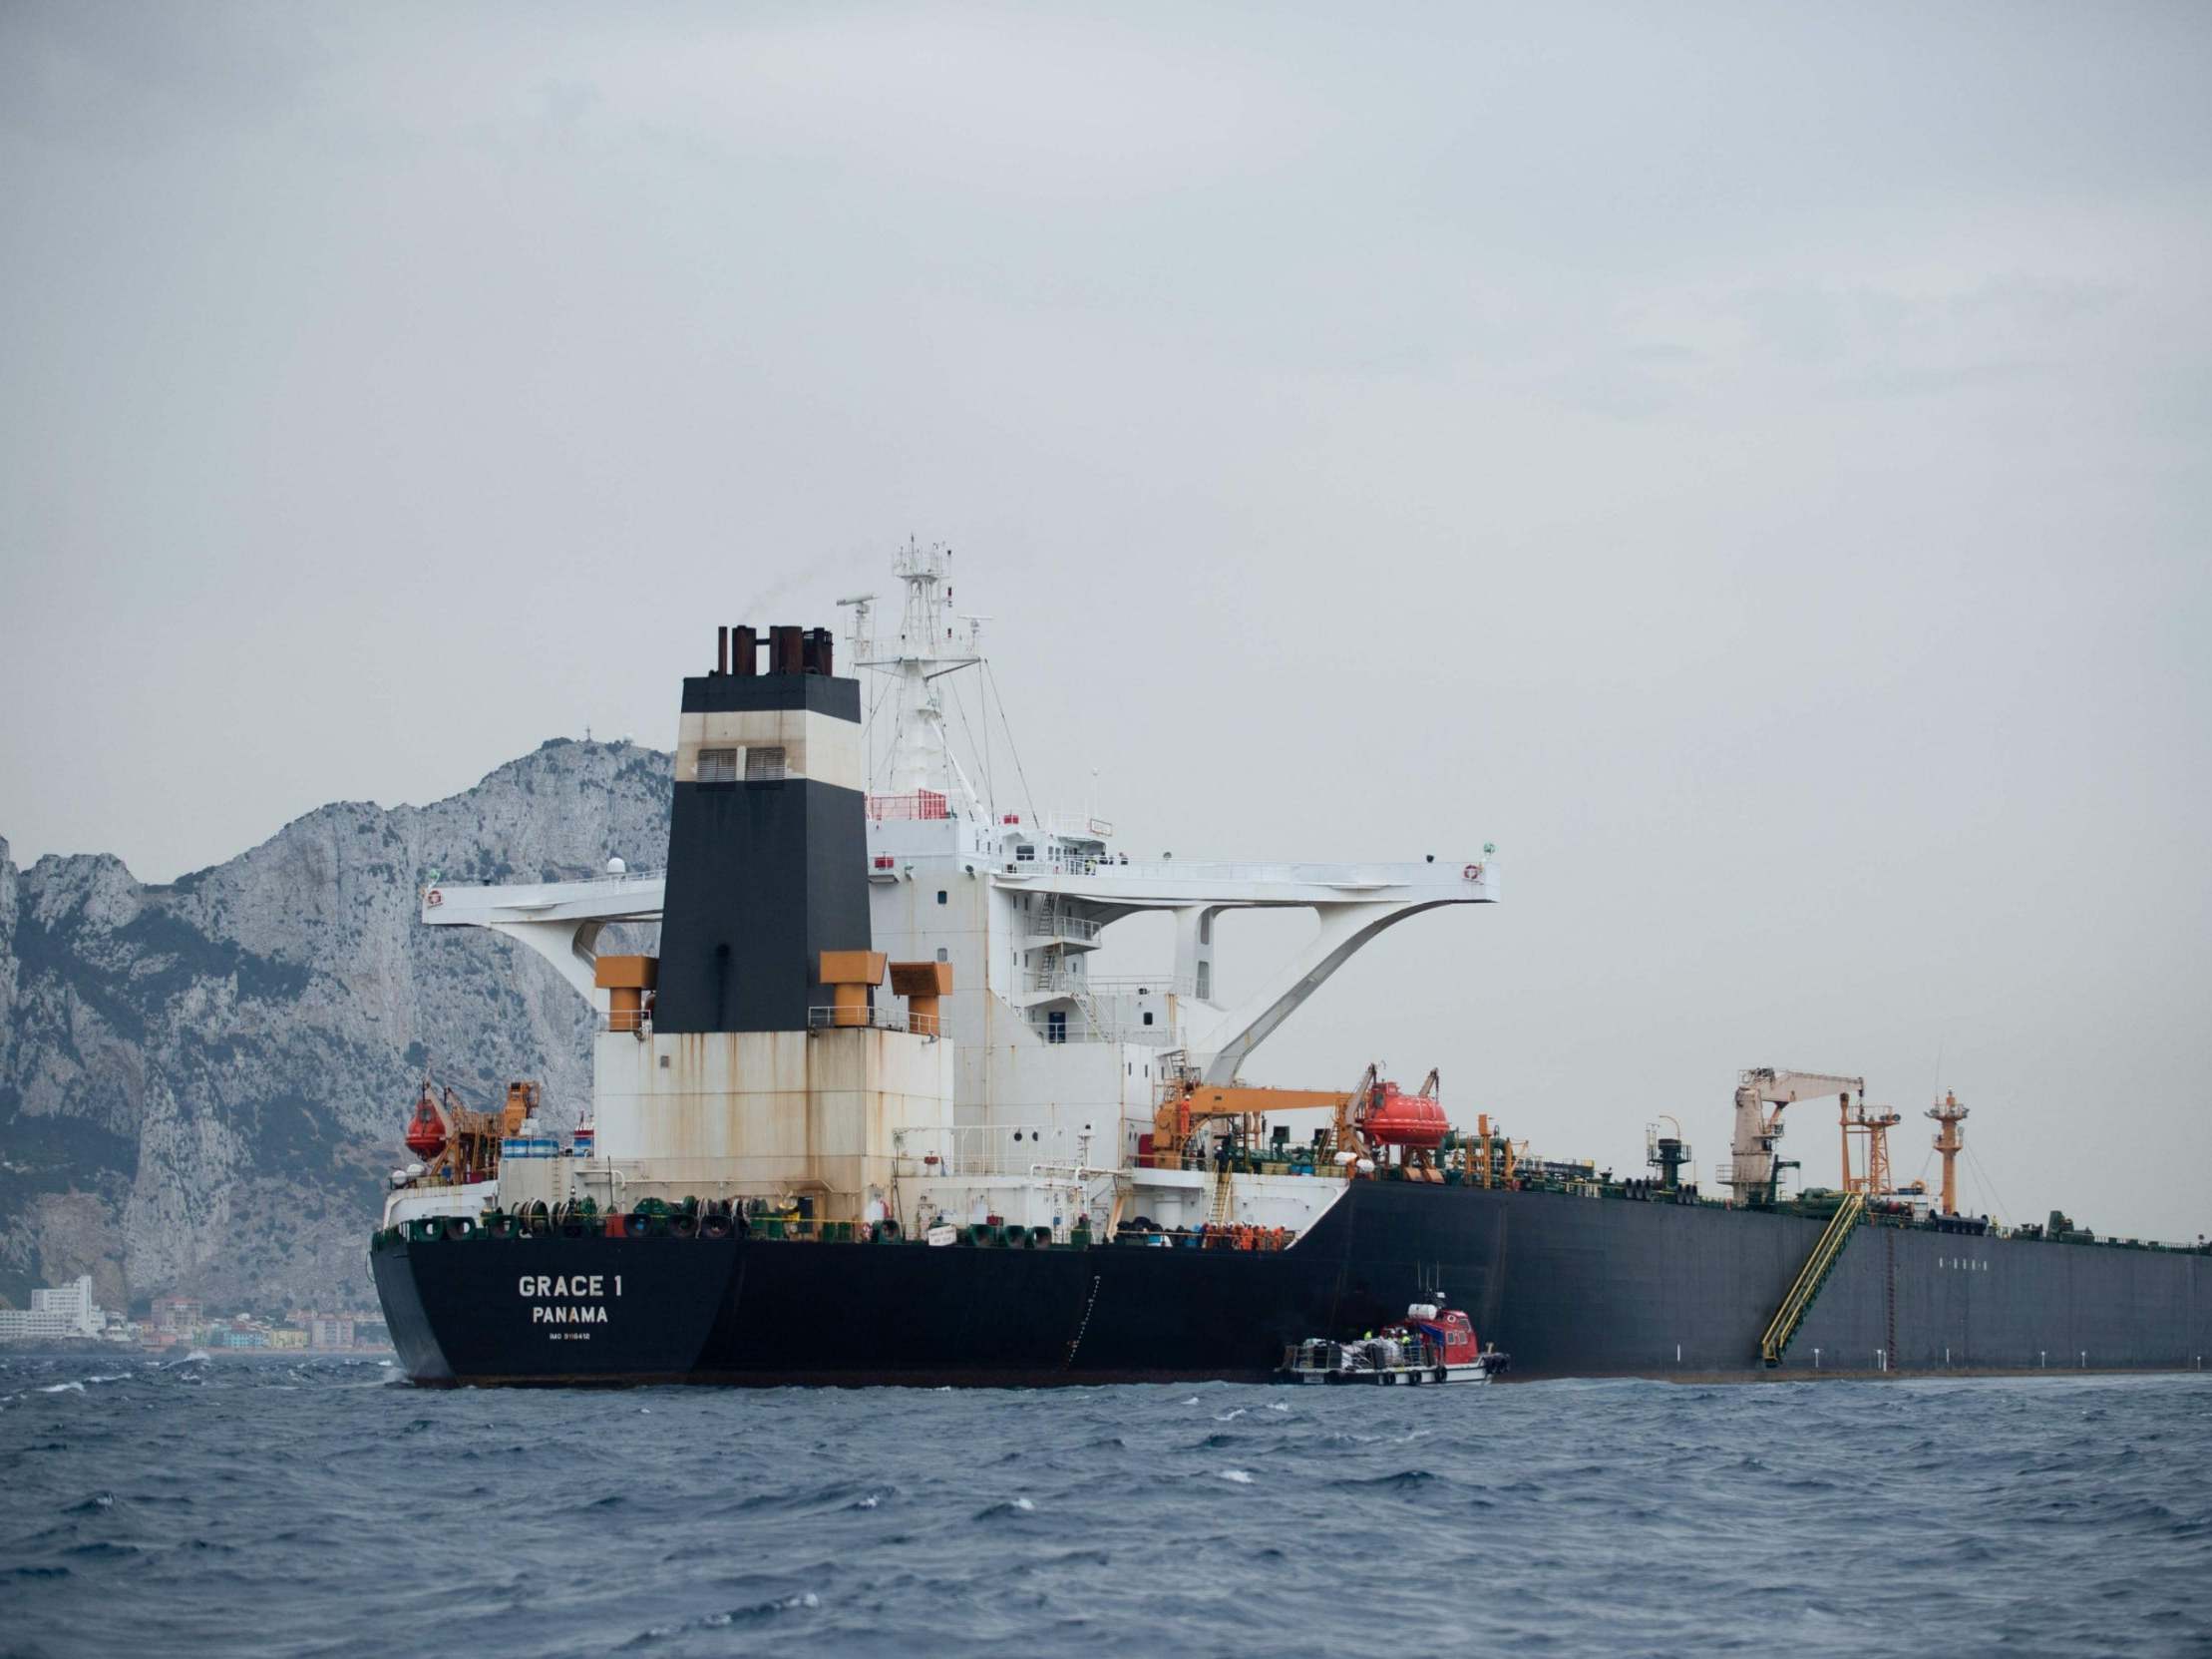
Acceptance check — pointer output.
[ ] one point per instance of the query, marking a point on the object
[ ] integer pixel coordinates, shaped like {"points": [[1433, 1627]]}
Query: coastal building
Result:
{"points": [[177, 1315], [62, 1313]]}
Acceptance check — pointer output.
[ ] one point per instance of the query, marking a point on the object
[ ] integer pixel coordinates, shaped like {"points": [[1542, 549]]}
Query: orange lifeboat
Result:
{"points": [[426, 1133], [1397, 1118]]}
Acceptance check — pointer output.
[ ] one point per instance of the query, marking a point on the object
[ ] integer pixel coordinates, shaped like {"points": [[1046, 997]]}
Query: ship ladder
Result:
{"points": [[1081, 994], [1225, 1194], [1825, 1253]]}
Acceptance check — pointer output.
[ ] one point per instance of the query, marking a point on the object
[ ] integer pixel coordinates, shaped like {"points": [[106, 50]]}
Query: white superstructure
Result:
{"points": [[1057, 1071]]}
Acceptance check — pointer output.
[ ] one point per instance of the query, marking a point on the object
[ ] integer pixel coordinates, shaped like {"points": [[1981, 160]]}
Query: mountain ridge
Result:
{"points": [[203, 1082]]}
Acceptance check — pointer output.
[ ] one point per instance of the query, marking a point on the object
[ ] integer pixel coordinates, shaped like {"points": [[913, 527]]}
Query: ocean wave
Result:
{"points": [[704, 1526], [1402, 1480]]}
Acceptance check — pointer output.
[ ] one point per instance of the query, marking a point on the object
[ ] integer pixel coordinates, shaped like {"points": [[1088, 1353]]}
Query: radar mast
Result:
{"points": [[932, 641]]}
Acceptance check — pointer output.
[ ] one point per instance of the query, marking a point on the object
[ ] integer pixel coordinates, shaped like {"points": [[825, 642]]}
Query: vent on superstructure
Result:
{"points": [[717, 765], [764, 763]]}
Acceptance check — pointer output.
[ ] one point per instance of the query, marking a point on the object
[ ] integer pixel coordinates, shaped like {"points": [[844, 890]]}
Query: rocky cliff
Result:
{"points": [[202, 1086]]}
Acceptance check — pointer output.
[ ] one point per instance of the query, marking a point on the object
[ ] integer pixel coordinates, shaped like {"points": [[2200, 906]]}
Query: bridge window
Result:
{"points": [[717, 765]]}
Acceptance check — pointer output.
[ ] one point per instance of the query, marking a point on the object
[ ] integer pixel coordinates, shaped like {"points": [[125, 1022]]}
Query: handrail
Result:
{"points": [[1071, 826], [985, 1149], [928, 805], [1050, 925], [1440, 875], [1825, 1250], [880, 1017]]}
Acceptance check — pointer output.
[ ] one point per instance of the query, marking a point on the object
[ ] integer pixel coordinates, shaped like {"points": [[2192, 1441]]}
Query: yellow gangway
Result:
{"points": [[1826, 1249]]}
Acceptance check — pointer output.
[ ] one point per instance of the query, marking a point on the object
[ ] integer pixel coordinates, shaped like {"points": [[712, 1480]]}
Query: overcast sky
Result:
{"points": [[1751, 464]]}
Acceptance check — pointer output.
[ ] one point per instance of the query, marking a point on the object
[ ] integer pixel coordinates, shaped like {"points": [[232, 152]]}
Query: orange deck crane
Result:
{"points": [[1185, 1104], [1370, 1119]]}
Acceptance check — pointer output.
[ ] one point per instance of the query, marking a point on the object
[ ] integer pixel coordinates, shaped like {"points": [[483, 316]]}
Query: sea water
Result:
{"points": [[257, 1507]]}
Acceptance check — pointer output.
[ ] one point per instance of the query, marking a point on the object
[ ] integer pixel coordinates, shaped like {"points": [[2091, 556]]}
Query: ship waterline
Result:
{"points": [[1570, 1286]]}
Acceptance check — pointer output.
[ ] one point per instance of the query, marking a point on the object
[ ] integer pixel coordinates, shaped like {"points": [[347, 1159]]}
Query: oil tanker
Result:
{"points": [[866, 1114]]}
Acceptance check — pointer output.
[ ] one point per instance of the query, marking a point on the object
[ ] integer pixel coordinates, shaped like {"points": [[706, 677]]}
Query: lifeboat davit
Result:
{"points": [[426, 1134], [1401, 1119]]}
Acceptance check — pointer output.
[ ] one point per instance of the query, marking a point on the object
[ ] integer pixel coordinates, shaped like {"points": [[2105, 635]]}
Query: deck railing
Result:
{"points": [[985, 1149], [928, 805], [882, 1017]]}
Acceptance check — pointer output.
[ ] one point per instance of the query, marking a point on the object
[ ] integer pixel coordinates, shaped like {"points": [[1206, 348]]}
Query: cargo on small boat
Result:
{"points": [[1434, 1344]]}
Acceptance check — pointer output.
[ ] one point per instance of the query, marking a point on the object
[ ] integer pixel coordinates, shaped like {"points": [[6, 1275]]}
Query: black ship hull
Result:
{"points": [[1568, 1286]]}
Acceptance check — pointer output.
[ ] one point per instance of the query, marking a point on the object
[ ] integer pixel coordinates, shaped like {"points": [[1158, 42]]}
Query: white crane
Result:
{"points": [[1751, 1165]]}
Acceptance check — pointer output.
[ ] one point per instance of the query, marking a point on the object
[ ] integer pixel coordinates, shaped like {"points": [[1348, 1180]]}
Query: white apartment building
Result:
{"points": [[60, 1313]]}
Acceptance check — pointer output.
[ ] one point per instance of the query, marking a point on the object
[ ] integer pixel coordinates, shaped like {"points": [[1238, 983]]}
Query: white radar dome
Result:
{"points": [[615, 867]]}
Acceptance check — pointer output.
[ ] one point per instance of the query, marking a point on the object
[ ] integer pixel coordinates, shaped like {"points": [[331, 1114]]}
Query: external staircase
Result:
{"points": [[1826, 1251], [1225, 1194]]}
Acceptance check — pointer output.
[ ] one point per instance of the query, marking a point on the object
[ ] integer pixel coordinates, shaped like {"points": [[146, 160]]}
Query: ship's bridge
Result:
{"points": [[1016, 902], [1058, 901]]}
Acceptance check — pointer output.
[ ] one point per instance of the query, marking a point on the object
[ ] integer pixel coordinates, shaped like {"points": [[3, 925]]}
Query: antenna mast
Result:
{"points": [[1949, 1141], [932, 643], [862, 645]]}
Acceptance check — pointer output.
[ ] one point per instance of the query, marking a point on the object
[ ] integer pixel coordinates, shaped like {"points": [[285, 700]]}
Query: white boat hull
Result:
{"points": [[1399, 1376]]}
